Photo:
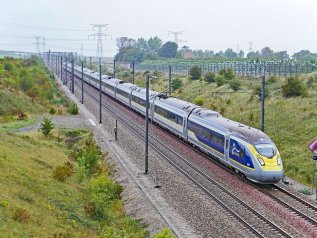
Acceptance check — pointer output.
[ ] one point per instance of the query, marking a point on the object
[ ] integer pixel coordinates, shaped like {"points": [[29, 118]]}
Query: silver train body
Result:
{"points": [[247, 150]]}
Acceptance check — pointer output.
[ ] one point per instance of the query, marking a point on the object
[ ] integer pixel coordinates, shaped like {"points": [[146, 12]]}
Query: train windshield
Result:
{"points": [[267, 150]]}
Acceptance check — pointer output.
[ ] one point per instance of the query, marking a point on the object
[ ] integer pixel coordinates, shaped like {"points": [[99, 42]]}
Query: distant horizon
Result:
{"points": [[282, 25]]}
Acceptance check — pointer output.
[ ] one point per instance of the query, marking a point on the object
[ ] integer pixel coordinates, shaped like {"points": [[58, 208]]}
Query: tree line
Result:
{"points": [[153, 49]]}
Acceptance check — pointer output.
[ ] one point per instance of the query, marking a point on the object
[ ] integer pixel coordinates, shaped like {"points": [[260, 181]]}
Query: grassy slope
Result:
{"points": [[291, 123], [56, 209]]}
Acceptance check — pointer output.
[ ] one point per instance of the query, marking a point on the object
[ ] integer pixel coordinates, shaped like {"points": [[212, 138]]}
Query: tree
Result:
{"points": [[210, 77], [154, 44], [195, 72], [280, 55], [142, 44], [294, 88], [129, 54], [168, 50], [176, 83], [266, 52], [305, 55], [241, 54], [227, 73], [254, 55], [125, 42], [230, 54], [47, 126]]}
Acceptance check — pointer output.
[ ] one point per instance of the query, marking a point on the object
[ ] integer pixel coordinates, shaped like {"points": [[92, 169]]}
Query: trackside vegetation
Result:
{"points": [[62, 189], [54, 182], [27, 89]]}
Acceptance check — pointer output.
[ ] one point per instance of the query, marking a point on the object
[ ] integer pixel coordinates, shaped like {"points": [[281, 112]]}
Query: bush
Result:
{"points": [[235, 84], [227, 74], [47, 126], [272, 79], [102, 192], [21, 215], [220, 80], [195, 72], [294, 88], [52, 110], [176, 84], [89, 156], [199, 101], [258, 91], [210, 77], [63, 172], [73, 109]]}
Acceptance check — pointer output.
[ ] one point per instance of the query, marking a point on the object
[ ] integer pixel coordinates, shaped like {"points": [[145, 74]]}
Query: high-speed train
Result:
{"points": [[247, 150]]}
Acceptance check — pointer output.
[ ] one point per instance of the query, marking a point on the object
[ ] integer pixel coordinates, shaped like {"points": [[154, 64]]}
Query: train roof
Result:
{"points": [[126, 86], [247, 133], [178, 103], [142, 91]]}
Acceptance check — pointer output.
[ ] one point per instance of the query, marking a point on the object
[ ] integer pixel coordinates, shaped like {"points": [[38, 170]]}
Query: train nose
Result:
{"points": [[271, 176]]}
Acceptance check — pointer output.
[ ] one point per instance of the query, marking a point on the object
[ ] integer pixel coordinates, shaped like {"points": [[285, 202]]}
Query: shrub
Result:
{"points": [[195, 72], [176, 84], [47, 126], [102, 192], [210, 77], [294, 88], [220, 80], [89, 156], [21, 215], [52, 110], [310, 81], [235, 84], [63, 172], [227, 73], [258, 91], [199, 101], [272, 79], [165, 233], [73, 109], [126, 74]]}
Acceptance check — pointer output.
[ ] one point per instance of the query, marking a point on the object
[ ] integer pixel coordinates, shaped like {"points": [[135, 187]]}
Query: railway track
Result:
{"points": [[234, 206]]}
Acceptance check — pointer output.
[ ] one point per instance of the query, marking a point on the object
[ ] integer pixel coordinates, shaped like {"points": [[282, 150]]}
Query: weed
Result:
{"points": [[199, 101], [25, 197], [73, 109], [306, 191], [62, 172], [60, 111], [52, 110], [47, 126], [4, 203], [21, 215], [165, 233]]}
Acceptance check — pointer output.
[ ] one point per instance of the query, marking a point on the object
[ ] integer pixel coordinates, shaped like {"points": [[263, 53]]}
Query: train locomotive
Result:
{"points": [[247, 150]]}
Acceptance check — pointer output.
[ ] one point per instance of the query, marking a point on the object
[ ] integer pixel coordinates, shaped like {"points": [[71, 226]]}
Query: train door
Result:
{"points": [[227, 147]]}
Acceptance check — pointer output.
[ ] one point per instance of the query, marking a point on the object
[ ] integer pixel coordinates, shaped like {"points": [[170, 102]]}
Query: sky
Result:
{"points": [[205, 24]]}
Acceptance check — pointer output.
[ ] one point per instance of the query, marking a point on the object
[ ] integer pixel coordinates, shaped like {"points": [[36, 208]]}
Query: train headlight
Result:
{"points": [[279, 161], [261, 161]]}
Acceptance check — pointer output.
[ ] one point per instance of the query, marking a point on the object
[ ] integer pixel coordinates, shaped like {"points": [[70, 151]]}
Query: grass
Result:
{"points": [[16, 124], [33, 203], [291, 122]]}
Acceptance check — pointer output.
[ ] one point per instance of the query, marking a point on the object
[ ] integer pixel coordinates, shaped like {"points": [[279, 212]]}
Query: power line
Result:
{"points": [[100, 35], [176, 34]]}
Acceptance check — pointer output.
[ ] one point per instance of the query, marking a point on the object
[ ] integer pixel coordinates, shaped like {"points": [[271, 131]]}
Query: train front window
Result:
{"points": [[267, 150]]}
